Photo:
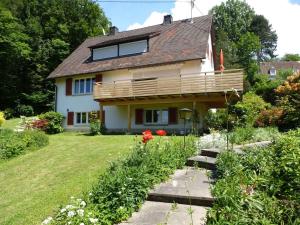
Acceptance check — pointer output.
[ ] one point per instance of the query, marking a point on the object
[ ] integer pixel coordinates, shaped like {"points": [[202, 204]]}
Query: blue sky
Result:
{"points": [[124, 14], [282, 14]]}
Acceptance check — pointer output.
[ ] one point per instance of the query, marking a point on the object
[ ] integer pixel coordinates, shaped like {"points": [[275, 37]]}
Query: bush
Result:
{"points": [[13, 143], [54, 124], [123, 188], [25, 110], [270, 117], [8, 113], [2, 119], [96, 127], [260, 186], [249, 108]]}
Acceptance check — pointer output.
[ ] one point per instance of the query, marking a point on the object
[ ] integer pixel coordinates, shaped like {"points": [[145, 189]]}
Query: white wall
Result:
{"points": [[116, 116], [208, 63], [76, 103]]}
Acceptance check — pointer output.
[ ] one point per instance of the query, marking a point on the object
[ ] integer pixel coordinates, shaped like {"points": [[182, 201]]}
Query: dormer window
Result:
{"points": [[121, 49]]}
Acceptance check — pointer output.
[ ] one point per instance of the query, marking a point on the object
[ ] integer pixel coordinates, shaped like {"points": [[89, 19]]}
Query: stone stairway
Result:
{"points": [[184, 198]]}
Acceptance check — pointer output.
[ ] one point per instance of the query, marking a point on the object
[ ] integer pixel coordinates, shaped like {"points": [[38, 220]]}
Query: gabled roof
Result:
{"points": [[176, 42], [279, 65]]}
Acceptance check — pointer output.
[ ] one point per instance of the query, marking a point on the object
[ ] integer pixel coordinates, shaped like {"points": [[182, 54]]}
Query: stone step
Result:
{"points": [[210, 152], [186, 186], [202, 162], [154, 213]]}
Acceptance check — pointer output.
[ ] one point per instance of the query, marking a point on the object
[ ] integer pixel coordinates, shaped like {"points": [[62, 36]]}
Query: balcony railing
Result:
{"points": [[178, 85]]}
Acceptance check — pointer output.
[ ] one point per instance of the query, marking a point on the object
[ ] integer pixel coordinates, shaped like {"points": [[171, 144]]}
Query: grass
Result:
{"points": [[12, 123], [34, 184]]}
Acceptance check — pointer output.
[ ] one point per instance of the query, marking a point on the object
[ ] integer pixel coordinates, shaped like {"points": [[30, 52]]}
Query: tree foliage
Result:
{"points": [[35, 36], [291, 57], [246, 38]]}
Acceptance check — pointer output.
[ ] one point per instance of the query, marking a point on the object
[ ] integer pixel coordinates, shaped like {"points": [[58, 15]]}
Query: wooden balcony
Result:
{"points": [[187, 84]]}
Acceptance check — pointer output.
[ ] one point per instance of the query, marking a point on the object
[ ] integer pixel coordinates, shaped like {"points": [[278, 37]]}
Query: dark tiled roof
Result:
{"points": [[179, 41], [279, 65]]}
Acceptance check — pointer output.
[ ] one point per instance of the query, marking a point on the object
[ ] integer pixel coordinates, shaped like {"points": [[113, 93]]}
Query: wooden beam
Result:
{"points": [[209, 98], [129, 118]]}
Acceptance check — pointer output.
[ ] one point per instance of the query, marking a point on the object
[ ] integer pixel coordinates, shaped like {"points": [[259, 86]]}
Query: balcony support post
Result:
{"points": [[194, 118], [101, 113], [128, 118]]}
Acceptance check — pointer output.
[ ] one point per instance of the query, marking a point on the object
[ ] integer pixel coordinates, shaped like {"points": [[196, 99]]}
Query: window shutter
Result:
{"points": [[98, 78], [173, 116], [139, 115], [103, 116], [70, 119], [69, 86]]}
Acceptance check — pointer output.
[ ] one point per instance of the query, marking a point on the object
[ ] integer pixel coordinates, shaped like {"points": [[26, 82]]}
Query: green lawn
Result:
{"points": [[11, 123], [34, 184]]}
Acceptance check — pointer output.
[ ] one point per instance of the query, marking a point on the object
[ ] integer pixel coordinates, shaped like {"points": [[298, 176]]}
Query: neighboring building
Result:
{"points": [[139, 79], [272, 68]]}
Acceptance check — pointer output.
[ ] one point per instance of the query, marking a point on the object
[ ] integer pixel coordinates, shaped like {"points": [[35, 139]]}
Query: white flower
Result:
{"points": [[93, 220], [79, 199], [81, 224], [129, 178], [69, 207], [47, 221], [69, 222], [80, 212], [90, 194], [71, 213], [72, 197], [82, 204], [63, 210]]}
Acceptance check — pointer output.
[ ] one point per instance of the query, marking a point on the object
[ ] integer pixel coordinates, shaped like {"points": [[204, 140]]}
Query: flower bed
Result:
{"points": [[123, 188], [260, 186], [15, 143]]}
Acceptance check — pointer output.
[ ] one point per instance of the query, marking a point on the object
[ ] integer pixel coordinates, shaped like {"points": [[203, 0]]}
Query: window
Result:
{"points": [[123, 49], [81, 118], [84, 86], [156, 116], [272, 71]]}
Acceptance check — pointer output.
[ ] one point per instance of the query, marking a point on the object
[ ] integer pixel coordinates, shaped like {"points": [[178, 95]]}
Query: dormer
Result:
{"points": [[121, 47]]}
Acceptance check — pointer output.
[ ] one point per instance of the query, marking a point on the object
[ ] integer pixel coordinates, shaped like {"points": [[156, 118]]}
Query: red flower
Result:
{"points": [[161, 132], [147, 136]]}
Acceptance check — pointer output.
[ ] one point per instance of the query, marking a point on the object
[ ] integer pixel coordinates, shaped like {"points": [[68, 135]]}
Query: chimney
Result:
{"points": [[113, 30], [168, 19]]}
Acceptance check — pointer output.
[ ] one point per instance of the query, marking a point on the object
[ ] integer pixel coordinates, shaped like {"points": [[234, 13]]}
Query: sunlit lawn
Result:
{"points": [[32, 185]]}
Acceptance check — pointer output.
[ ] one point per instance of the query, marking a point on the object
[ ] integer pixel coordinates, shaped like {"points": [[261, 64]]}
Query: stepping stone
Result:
{"points": [[210, 152], [161, 213], [202, 161], [186, 186]]}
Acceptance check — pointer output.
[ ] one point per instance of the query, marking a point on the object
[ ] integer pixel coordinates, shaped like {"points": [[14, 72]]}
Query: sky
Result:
{"points": [[284, 15]]}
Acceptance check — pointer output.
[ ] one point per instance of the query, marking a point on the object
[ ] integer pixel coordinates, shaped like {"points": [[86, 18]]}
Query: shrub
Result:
{"points": [[25, 110], [54, 124], [2, 119], [124, 186], [96, 127], [249, 108], [260, 186], [8, 113], [13, 144], [270, 117]]}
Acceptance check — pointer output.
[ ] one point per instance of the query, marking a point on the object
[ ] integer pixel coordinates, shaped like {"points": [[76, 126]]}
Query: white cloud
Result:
{"points": [[282, 14]]}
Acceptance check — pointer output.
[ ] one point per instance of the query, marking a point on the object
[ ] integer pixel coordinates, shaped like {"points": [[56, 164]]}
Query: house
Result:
{"points": [[140, 79], [272, 68]]}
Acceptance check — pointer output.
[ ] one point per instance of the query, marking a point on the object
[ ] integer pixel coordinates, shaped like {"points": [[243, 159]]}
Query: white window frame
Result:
{"points": [[160, 117], [81, 123], [92, 80]]}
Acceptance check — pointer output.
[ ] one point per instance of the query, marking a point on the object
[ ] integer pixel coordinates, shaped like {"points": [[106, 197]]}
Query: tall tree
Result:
{"points": [[54, 28], [291, 57], [268, 38], [14, 54]]}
